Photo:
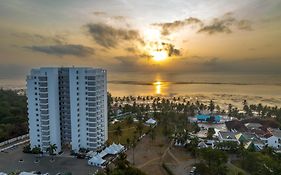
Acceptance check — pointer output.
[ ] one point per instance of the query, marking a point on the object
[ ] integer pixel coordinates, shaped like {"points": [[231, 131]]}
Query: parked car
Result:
{"points": [[192, 171]]}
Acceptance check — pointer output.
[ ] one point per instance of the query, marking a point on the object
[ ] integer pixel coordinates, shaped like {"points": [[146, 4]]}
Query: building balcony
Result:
{"points": [[45, 138], [43, 84], [43, 95], [45, 123], [43, 79], [43, 101], [45, 133], [44, 111], [45, 144], [45, 128]]}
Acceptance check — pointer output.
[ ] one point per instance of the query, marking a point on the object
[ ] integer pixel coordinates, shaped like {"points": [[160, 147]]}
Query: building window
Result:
{"points": [[38, 140]]}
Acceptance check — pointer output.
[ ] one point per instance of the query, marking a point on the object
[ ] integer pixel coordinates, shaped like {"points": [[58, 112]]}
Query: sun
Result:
{"points": [[159, 55]]}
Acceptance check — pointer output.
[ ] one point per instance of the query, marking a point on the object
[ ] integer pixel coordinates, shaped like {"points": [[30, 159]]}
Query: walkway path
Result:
{"points": [[173, 156], [148, 162]]}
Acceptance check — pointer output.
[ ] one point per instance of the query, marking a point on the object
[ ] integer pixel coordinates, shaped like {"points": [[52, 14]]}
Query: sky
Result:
{"points": [[157, 37]]}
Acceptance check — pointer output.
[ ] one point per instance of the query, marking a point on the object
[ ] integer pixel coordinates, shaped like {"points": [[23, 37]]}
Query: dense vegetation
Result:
{"points": [[142, 104], [122, 167], [13, 114]]}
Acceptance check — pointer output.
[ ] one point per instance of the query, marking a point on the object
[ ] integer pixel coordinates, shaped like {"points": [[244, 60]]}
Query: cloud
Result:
{"points": [[224, 25], [128, 64], [211, 62], [244, 25], [38, 38], [109, 37], [223, 65], [170, 49], [167, 28], [99, 13], [119, 18], [131, 49], [13, 71], [62, 50]]}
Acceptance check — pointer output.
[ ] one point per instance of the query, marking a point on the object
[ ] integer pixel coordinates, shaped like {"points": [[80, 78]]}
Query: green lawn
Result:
{"points": [[127, 132], [234, 170]]}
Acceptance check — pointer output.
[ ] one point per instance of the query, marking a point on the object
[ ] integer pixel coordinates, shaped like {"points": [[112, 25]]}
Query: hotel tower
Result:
{"points": [[67, 106]]}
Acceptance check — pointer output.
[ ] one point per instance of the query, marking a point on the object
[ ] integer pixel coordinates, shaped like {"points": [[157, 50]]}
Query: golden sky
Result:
{"points": [[179, 36]]}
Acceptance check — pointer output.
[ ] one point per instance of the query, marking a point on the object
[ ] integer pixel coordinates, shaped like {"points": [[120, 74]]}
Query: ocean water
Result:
{"points": [[223, 88]]}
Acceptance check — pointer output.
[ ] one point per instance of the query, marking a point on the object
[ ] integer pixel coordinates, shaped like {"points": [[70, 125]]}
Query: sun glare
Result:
{"points": [[159, 55], [158, 85], [154, 45]]}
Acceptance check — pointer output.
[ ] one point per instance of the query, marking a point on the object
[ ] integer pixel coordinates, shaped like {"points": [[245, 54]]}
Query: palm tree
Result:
{"points": [[134, 144], [152, 133], [129, 120], [229, 109], [139, 128], [128, 142], [122, 162], [118, 132], [51, 149], [211, 106]]}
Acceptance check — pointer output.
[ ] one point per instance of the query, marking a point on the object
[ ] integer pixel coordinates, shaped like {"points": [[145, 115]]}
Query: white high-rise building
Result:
{"points": [[67, 106]]}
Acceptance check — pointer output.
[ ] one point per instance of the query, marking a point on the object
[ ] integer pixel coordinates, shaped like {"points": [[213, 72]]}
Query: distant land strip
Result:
{"points": [[187, 82]]}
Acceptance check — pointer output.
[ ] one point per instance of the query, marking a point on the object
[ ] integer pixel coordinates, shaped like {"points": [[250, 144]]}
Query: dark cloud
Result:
{"points": [[197, 64], [62, 50], [171, 50], [225, 24], [131, 49], [119, 18], [244, 25], [167, 28], [211, 62], [109, 37], [99, 13], [37, 38]]}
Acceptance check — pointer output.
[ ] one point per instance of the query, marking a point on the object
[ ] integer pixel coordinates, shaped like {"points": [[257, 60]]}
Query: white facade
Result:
{"points": [[272, 141], [67, 106]]}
